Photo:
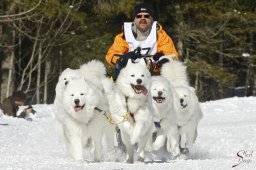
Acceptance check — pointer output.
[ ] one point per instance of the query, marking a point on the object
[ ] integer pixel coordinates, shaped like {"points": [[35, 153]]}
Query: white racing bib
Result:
{"points": [[148, 46]]}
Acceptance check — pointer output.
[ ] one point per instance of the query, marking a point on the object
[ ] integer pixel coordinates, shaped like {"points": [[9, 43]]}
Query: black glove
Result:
{"points": [[161, 62], [130, 55], [122, 61], [157, 56]]}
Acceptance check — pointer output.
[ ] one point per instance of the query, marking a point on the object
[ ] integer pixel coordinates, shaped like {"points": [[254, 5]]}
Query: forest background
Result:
{"points": [[40, 38]]}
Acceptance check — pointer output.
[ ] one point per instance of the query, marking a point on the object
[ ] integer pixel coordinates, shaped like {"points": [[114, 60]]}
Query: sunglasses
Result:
{"points": [[145, 16]]}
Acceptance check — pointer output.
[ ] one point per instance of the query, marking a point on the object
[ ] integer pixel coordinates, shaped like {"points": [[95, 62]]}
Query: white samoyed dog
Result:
{"points": [[90, 83], [188, 115], [186, 109], [66, 75], [81, 121], [176, 72], [131, 95], [94, 71], [163, 96]]}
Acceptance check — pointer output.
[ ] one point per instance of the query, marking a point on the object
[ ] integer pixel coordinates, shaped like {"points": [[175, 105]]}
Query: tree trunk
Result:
{"points": [[254, 81], [39, 62], [197, 82], [249, 77], [46, 73], [11, 80], [1, 66]]}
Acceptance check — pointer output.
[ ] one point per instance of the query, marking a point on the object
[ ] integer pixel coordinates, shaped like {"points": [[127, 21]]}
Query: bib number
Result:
{"points": [[147, 50]]}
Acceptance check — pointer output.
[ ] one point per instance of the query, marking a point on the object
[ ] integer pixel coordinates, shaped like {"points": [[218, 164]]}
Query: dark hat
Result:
{"points": [[19, 96], [144, 7]]}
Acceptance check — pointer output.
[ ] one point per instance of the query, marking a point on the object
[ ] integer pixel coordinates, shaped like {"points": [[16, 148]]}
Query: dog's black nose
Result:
{"points": [[139, 81], [77, 101], [181, 101], [160, 93]]}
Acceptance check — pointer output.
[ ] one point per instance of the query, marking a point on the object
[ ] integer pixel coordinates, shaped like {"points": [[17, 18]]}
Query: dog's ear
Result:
{"points": [[129, 62], [143, 62], [192, 89]]}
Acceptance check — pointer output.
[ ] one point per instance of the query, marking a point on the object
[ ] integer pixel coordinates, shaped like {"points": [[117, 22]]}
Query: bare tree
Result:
{"points": [[43, 31]]}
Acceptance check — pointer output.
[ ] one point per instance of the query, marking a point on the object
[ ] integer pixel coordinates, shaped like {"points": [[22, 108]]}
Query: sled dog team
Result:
{"points": [[89, 106]]}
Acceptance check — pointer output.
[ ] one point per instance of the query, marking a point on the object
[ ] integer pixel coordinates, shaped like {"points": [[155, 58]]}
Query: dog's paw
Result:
{"points": [[77, 157], [129, 160], [140, 159], [176, 152], [184, 151], [156, 146]]}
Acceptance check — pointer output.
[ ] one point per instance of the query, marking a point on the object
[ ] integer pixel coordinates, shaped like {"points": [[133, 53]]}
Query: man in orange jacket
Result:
{"points": [[144, 33]]}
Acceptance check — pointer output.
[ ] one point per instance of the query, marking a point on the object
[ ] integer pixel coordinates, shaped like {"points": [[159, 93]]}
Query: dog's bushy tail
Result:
{"points": [[175, 72], [94, 67]]}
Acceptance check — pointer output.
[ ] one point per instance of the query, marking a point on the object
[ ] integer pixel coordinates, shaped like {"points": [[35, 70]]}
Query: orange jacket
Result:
{"points": [[120, 46]]}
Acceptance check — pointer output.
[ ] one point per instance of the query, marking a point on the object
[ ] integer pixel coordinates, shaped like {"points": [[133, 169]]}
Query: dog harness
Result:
{"points": [[109, 118]]}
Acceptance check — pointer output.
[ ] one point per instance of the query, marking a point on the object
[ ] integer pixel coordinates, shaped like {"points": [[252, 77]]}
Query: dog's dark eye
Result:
{"points": [[72, 94], [82, 94], [142, 75], [132, 75], [65, 78], [185, 95]]}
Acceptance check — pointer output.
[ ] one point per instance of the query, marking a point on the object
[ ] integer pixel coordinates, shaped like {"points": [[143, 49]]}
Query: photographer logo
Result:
{"points": [[244, 157]]}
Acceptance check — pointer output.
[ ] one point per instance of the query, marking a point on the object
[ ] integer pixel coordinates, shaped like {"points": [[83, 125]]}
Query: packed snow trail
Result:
{"points": [[226, 138]]}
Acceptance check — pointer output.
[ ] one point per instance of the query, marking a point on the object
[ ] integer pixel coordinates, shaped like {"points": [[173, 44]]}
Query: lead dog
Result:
{"points": [[132, 95]]}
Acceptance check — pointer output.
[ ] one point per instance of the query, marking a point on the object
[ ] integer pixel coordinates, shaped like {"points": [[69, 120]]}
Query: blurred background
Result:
{"points": [[40, 38]]}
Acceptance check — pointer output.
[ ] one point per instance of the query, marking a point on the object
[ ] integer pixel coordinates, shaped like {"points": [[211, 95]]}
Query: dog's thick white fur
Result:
{"points": [[183, 120], [132, 94], [85, 85], [188, 115], [163, 96], [178, 112], [81, 120], [94, 71], [65, 76], [175, 72]]}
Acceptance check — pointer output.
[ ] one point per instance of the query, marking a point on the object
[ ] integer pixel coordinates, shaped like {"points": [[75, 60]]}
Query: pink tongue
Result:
{"points": [[143, 90], [78, 108]]}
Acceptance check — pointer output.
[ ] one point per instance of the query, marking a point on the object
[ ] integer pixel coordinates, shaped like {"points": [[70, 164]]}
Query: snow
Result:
{"points": [[226, 137]]}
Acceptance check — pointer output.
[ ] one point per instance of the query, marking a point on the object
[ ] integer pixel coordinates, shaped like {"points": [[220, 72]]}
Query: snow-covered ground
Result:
{"points": [[226, 137]]}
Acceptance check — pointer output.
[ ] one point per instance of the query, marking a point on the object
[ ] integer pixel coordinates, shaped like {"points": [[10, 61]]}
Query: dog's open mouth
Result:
{"points": [[183, 106], [139, 89], [78, 108], [159, 99]]}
